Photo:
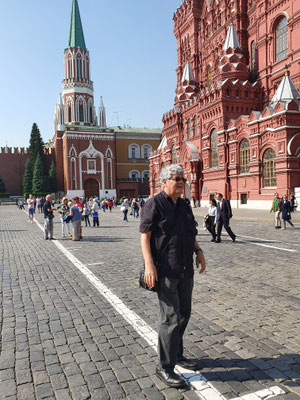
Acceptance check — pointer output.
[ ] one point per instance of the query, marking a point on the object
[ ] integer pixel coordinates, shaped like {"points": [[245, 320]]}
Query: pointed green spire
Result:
{"points": [[76, 38]]}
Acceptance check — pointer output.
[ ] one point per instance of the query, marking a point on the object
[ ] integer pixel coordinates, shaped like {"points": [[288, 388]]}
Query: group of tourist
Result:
{"points": [[134, 205], [73, 212], [219, 214], [284, 207]]}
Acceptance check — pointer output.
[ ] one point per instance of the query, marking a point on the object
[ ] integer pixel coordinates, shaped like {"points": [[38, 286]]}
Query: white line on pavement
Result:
{"points": [[267, 245], [270, 240], [98, 263], [204, 389]]}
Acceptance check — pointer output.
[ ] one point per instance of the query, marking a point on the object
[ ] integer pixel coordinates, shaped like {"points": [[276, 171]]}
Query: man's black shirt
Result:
{"points": [[173, 234], [47, 206]]}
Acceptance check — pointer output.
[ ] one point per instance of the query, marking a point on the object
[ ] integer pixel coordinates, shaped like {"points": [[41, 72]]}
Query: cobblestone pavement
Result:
{"points": [[60, 339]]}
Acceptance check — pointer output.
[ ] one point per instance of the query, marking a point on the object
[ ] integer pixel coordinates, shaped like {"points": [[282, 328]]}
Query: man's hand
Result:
{"points": [[200, 260], [150, 275]]}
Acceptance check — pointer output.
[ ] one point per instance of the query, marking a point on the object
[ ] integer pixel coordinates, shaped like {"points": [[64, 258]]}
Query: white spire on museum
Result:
{"points": [[231, 40], [187, 73], [286, 90]]}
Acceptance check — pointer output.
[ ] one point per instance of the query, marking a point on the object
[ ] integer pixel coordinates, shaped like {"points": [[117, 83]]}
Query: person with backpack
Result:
{"points": [[134, 207]]}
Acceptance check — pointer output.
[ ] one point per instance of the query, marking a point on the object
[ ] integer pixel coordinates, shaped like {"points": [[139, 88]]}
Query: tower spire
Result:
{"points": [[102, 114], [76, 38]]}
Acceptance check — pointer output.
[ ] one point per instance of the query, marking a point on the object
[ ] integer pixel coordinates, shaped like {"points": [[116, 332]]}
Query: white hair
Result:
{"points": [[169, 171], [48, 197]]}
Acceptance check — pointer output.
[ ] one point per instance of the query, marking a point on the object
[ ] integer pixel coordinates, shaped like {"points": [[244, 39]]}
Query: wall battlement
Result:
{"points": [[20, 150], [13, 150]]}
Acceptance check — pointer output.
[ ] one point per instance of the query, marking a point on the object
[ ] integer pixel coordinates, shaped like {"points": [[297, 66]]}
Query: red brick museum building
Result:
{"points": [[235, 125]]}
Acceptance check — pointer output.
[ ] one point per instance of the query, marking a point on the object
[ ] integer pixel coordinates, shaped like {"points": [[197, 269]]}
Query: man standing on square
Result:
{"points": [[224, 214], [168, 240]]}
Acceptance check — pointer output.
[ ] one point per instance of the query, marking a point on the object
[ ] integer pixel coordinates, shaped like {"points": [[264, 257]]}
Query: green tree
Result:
{"points": [[27, 179], [36, 145], [39, 182], [52, 180], [2, 186]]}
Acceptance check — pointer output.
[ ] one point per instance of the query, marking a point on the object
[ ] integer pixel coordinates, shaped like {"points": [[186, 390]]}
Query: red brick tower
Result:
{"points": [[85, 151]]}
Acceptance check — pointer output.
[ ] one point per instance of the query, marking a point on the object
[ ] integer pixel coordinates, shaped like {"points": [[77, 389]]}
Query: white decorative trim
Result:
{"points": [[96, 136], [72, 149], [137, 147], [91, 152], [109, 152]]}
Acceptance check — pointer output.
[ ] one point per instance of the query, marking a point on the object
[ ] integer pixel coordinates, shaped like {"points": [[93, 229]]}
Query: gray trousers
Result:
{"points": [[175, 303], [76, 229], [48, 228]]}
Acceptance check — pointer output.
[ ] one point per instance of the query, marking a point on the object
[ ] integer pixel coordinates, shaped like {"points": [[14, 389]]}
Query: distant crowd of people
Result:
{"points": [[74, 212]]}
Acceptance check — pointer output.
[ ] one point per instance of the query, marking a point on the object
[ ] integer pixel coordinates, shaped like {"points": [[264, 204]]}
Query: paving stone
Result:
{"points": [[25, 391], [44, 390]]}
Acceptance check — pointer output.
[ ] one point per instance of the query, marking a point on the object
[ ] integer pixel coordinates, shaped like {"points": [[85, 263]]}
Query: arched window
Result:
{"points": [[174, 156], [134, 175], [146, 149], [79, 68], [269, 168], [281, 39], [81, 112], [253, 57], [209, 77], [189, 128], [91, 114], [214, 148], [146, 175], [244, 156], [195, 126], [134, 151], [69, 113]]}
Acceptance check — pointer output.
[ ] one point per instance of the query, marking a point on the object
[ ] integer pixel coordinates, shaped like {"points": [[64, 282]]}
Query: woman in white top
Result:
{"points": [[124, 208], [211, 220]]}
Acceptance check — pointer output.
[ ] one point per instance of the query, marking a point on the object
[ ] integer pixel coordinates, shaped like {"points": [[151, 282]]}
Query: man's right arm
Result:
{"points": [[150, 269]]}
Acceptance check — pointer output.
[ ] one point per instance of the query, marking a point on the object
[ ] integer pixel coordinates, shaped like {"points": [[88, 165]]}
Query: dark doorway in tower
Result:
{"points": [[91, 188]]}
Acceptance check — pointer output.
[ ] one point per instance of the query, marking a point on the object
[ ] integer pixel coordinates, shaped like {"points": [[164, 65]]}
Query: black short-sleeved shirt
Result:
{"points": [[173, 234], [47, 206]]}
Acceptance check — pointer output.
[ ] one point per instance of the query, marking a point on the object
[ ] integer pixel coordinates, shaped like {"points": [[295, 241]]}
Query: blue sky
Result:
{"points": [[133, 61]]}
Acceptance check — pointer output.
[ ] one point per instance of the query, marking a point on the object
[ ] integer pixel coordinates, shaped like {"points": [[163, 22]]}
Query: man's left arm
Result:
{"points": [[200, 259]]}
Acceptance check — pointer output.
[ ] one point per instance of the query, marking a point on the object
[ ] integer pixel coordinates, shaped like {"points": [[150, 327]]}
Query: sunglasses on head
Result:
{"points": [[178, 179]]}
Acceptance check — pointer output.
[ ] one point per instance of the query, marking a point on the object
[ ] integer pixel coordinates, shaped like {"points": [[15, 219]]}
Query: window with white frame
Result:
{"points": [[91, 166], [134, 175], [146, 175], [134, 151], [146, 149]]}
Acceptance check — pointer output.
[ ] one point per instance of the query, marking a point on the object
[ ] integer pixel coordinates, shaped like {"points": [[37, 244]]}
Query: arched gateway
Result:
{"points": [[91, 188]]}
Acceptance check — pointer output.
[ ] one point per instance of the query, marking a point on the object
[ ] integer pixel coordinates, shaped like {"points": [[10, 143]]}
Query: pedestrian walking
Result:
{"points": [[30, 208], [124, 209], [286, 212], [76, 221], [48, 216], [103, 205], [134, 208], [95, 215], [63, 210], [210, 222], [110, 205], [276, 208], [86, 213], [168, 240], [224, 213], [38, 204], [293, 202]]}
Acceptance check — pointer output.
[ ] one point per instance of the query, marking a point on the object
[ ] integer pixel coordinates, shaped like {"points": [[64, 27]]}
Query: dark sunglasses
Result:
{"points": [[178, 179]]}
